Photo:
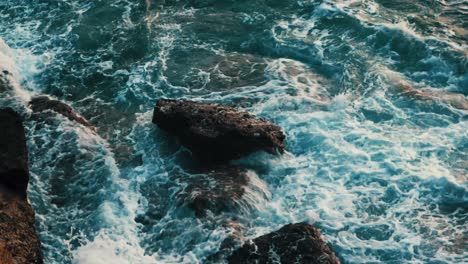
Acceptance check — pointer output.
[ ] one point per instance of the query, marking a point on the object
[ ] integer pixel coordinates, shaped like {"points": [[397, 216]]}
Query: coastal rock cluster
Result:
{"points": [[216, 134]]}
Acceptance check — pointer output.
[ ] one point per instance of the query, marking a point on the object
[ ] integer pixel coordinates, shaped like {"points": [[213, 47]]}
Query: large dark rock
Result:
{"points": [[294, 243], [14, 172], [19, 243], [219, 190], [217, 133], [44, 103]]}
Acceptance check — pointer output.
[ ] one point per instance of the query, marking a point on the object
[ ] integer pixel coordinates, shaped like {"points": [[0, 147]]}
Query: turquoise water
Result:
{"points": [[371, 94]]}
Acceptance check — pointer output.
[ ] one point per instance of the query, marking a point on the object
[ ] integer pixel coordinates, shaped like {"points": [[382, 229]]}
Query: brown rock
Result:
{"points": [[294, 243], [44, 103], [18, 239], [217, 133], [219, 190]]}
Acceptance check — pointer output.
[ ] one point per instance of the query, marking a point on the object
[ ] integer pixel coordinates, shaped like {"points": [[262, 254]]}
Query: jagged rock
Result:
{"points": [[294, 243], [14, 172], [217, 191], [44, 103], [217, 133], [19, 243]]}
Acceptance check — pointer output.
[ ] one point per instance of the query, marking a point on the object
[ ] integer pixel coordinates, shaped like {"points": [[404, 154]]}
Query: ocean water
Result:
{"points": [[371, 94]]}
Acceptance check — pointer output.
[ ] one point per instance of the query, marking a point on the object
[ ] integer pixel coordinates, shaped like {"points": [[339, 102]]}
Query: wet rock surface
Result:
{"points": [[217, 133], [43, 103], [18, 240], [294, 243]]}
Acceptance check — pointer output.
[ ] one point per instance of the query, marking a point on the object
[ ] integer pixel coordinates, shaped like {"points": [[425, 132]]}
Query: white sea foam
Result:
{"points": [[115, 248], [371, 167], [11, 72], [339, 160]]}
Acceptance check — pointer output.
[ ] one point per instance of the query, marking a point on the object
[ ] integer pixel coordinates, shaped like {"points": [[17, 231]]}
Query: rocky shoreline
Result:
{"points": [[19, 242]]}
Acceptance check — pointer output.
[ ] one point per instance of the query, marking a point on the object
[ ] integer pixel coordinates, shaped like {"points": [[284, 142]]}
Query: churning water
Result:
{"points": [[372, 95]]}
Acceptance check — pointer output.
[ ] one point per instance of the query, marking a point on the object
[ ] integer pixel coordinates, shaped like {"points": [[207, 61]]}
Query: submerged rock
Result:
{"points": [[217, 133], [18, 239], [294, 243], [234, 240], [44, 103], [218, 191], [221, 72]]}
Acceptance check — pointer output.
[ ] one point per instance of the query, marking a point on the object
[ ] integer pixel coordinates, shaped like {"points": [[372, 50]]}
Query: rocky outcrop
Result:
{"points": [[14, 172], [217, 191], [43, 103], [19, 243], [217, 133], [294, 243]]}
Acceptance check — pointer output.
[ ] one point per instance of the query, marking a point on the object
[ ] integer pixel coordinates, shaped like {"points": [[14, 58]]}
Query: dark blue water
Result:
{"points": [[371, 94]]}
